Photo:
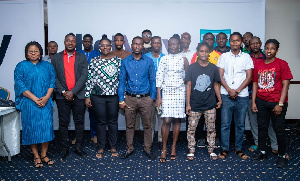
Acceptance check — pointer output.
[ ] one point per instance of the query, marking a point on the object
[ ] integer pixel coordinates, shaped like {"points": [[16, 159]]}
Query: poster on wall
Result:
{"points": [[215, 33]]}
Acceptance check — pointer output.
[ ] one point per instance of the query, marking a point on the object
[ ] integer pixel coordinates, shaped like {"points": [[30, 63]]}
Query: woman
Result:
{"points": [[34, 84], [101, 95], [170, 78], [202, 87], [271, 80]]}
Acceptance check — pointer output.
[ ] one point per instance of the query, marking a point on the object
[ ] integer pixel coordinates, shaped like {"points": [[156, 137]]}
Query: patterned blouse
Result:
{"points": [[103, 76]]}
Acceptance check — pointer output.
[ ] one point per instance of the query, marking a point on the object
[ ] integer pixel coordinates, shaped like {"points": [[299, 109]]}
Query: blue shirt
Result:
{"points": [[137, 76], [90, 55], [155, 60]]}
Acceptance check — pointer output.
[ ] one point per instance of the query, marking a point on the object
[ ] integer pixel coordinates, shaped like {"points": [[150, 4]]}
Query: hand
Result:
{"points": [[123, 106], [43, 101], [253, 107], [38, 102], [188, 109], [88, 102], [232, 93], [219, 105], [277, 110], [158, 102], [69, 95]]}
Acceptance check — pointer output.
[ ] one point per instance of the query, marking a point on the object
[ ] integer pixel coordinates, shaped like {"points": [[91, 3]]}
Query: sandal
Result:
{"points": [[213, 156], [49, 162], [100, 153], [38, 164], [241, 154], [253, 148], [163, 159], [190, 156], [113, 152], [173, 157], [275, 152], [223, 154]]}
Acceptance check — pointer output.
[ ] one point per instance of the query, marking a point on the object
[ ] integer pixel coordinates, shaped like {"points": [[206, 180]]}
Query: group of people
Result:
{"points": [[222, 83]]}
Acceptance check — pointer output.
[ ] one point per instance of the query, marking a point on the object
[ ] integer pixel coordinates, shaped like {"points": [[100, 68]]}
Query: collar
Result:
{"points": [[238, 55], [186, 51], [132, 58], [65, 53], [261, 56]]}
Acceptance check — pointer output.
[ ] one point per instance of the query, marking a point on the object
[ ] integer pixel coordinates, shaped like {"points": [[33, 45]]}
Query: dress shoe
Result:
{"points": [[80, 152], [150, 154], [64, 155], [281, 162], [126, 154], [258, 155]]}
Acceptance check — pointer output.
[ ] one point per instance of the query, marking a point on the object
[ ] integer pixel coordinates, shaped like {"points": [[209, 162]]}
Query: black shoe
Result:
{"points": [[80, 152], [258, 155], [217, 143], [281, 162], [201, 143], [64, 155], [126, 154], [150, 154]]}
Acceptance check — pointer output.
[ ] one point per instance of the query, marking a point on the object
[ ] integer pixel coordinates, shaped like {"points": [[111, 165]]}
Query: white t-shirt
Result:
{"points": [[235, 67], [188, 55]]}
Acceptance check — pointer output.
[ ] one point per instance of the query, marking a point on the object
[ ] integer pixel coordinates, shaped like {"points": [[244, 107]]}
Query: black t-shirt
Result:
{"points": [[202, 90]]}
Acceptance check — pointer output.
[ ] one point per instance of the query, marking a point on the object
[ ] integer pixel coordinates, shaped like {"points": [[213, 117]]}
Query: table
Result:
{"points": [[9, 140]]}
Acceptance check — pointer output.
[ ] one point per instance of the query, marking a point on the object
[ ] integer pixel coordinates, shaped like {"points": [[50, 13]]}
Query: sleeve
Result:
{"points": [[52, 76], [80, 83], [285, 71], [160, 72], [249, 62], [122, 81], [89, 83], [59, 87], [152, 80], [220, 63], [188, 74], [254, 74], [216, 75], [19, 78]]}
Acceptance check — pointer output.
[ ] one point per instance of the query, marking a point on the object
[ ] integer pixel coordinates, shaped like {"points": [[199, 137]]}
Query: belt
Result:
{"points": [[137, 95]]}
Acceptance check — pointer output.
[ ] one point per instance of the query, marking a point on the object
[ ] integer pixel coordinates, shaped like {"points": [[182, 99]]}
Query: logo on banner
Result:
{"points": [[4, 46], [215, 32]]}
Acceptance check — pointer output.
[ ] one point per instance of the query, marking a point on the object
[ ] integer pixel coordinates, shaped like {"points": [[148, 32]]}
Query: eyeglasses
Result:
{"points": [[147, 35], [103, 46], [33, 51]]}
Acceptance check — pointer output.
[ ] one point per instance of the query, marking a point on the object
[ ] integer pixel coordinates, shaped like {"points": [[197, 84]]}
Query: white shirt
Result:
{"points": [[235, 70], [188, 55]]}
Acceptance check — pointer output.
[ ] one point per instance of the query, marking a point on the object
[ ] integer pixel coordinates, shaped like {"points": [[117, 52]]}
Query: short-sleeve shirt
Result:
{"points": [[269, 78], [202, 89], [235, 67]]}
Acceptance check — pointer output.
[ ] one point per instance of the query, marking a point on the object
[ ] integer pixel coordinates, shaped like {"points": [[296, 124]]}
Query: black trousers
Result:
{"points": [[263, 120], [106, 109], [77, 106]]}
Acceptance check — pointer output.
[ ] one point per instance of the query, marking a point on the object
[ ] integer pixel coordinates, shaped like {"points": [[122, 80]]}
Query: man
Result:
{"points": [[246, 40], [185, 41], [119, 51], [146, 35], [257, 54], [52, 50], [90, 53], [221, 42], [71, 70], [156, 55], [137, 76], [235, 68]]}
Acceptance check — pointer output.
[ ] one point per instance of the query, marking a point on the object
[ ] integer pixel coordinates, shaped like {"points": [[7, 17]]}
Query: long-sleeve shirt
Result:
{"points": [[137, 76]]}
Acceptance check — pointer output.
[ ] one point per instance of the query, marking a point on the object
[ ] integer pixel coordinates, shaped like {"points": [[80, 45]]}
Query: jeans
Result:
{"points": [[77, 106], [239, 106], [265, 112], [106, 109]]}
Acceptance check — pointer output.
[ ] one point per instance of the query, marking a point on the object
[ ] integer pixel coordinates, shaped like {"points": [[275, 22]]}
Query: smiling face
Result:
{"points": [[270, 50], [105, 47], [235, 42], [255, 45], [87, 43], [203, 53], [70, 43], [156, 44], [173, 45], [33, 53]]}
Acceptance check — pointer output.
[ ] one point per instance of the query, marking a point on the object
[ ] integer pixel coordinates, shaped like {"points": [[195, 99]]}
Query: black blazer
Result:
{"points": [[81, 72]]}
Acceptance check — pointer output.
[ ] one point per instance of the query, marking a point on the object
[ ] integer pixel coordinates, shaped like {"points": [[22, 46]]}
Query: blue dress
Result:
{"points": [[37, 123]]}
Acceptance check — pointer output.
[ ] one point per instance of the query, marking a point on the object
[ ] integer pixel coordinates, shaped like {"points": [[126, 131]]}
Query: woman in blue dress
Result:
{"points": [[34, 84]]}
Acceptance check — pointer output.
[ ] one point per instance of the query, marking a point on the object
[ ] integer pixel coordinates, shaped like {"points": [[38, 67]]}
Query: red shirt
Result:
{"points": [[269, 78], [69, 62]]}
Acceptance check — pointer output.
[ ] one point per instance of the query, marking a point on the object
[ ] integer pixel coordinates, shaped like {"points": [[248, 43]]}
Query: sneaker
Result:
{"points": [[281, 162], [201, 143], [258, 155], [217, 143]]}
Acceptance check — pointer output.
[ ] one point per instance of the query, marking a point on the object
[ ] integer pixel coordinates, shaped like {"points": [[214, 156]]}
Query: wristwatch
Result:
{"points": [[280, 104]]}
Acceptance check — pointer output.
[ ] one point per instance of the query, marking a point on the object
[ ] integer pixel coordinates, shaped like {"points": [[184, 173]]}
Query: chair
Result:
{"points": [[4, 93]]}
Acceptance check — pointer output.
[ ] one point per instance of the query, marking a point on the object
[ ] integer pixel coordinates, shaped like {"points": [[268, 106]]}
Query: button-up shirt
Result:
{"points": [[137, 76]]}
